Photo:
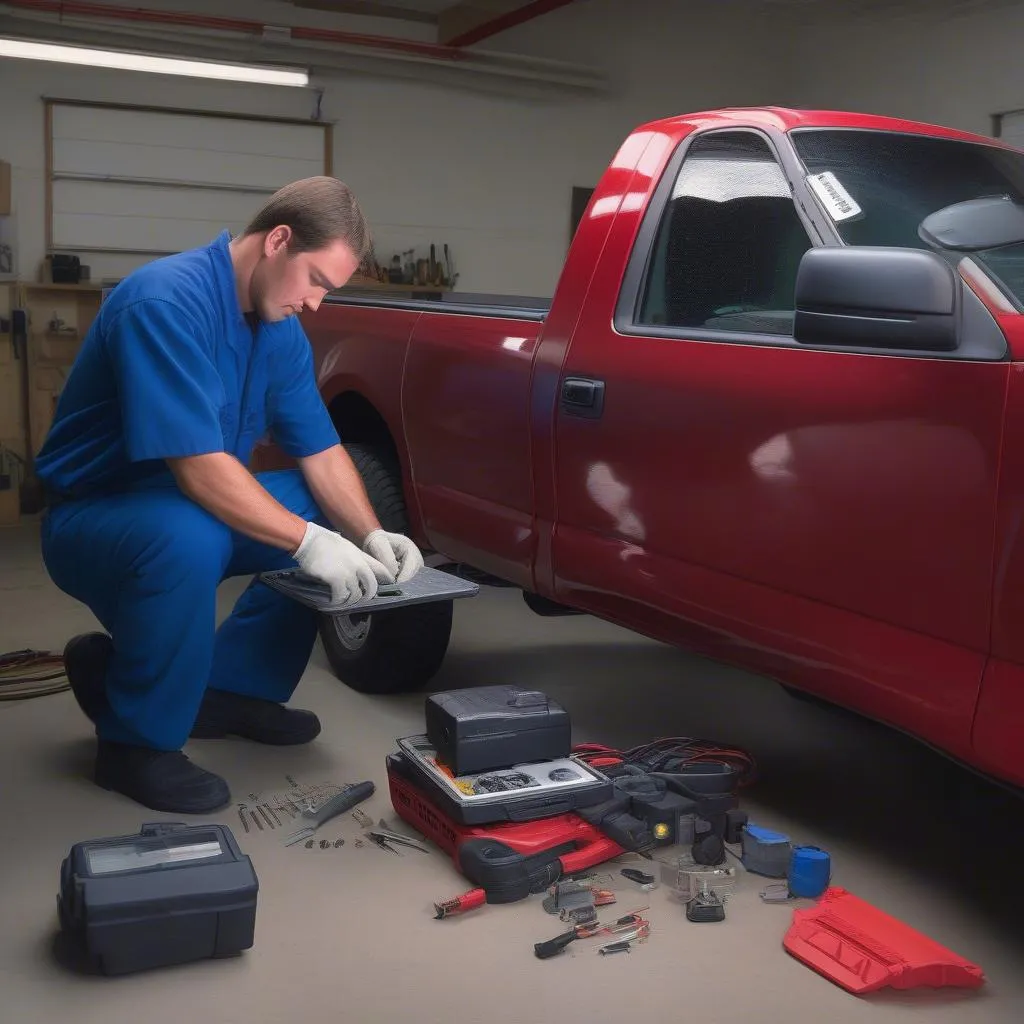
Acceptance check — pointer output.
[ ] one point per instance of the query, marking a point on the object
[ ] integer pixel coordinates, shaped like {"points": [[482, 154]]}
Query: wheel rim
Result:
{"points": [[352, 630]]}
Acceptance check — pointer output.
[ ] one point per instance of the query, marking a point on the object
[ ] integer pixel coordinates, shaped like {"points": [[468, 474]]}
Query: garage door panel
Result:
{"points": [[129, 179], [198, 132], [132, 160], [116, 200], [133, 234]]}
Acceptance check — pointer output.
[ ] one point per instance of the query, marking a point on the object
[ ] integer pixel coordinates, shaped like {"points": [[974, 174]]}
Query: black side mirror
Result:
{"points": [[882, 298]]}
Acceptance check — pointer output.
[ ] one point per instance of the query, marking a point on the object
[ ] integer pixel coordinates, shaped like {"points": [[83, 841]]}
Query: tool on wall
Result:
{"points": [[451, 275]]}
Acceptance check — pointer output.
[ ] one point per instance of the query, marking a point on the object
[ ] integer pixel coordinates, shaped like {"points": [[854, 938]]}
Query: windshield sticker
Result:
{"points": [[836, 200]]}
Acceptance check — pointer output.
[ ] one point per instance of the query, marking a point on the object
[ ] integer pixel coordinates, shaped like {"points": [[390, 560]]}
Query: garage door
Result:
{"points": [[127, 184]]}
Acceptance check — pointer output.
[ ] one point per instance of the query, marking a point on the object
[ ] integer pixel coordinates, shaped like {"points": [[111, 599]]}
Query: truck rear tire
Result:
{"points": [[386, 652]]}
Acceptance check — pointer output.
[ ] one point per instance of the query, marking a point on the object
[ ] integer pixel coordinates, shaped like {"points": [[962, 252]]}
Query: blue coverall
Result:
{"points": [[171, 367]]}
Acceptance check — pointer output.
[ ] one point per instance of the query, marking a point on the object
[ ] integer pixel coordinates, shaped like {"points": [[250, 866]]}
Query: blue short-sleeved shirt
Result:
{"points": [[170, 368]]}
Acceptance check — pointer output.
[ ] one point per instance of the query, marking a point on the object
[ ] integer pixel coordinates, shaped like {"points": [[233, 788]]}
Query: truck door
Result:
{"points": [[464, 407], [825, 516]]}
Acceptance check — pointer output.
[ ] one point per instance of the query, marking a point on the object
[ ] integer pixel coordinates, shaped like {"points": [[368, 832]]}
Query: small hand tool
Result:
{"points": [[384, 839], [645, 881], [632, 922], [460, 904], [343, 801]]}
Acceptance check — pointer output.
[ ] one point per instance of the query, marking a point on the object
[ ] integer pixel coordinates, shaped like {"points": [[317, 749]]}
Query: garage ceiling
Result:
{"points": [[417, 39], [458, 23]]}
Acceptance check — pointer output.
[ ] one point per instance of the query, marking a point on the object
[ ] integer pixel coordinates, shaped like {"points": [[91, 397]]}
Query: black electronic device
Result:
{"points": [[659, 806], [488, 728], [174, 893], [65, 268], [734, 822], [706, 907]]}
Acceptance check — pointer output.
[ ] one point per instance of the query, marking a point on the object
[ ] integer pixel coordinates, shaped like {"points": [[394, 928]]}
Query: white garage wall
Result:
{"points": [[492, 177], [942, 62]]}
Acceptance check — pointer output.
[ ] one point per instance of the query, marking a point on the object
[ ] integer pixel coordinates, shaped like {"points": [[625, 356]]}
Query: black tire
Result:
{"points": [[386, 652]]}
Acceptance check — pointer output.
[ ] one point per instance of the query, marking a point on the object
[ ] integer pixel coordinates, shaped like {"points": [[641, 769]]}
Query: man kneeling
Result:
{"points": [[191, 359]]}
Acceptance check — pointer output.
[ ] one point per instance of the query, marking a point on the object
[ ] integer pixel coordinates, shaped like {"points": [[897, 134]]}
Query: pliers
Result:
{"points": [[388, 840]]}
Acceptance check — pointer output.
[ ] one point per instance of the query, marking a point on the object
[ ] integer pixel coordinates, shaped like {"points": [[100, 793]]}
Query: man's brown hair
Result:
{"points": [[319, 210]]}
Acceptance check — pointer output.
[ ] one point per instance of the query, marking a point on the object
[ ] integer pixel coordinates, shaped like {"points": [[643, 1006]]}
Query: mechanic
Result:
{"points": [[190, 360]]}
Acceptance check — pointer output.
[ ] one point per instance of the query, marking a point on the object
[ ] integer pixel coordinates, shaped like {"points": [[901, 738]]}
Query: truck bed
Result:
{"points": [[512, 307]]}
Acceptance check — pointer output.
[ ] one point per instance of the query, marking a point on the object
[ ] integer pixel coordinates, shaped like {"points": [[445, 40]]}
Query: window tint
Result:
{"points": [[729, 243], [897, 180]]}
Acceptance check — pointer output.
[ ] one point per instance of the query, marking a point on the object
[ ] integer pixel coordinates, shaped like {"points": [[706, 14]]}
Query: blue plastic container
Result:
{"points": [[810, 871]]}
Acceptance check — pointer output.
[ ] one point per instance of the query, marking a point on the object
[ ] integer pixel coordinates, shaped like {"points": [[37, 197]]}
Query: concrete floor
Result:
{"points": [[349, 933]]}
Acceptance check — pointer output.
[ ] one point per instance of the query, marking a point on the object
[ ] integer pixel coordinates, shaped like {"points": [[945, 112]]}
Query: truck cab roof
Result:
{"points": [[785, 119]]}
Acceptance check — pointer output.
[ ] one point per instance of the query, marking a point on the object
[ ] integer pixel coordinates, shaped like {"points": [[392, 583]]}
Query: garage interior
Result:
{"points": [[489, 158]]}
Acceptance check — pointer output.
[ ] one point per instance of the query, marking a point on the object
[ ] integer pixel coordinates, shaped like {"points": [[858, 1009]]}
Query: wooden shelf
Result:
{"points": [[87, 287]]}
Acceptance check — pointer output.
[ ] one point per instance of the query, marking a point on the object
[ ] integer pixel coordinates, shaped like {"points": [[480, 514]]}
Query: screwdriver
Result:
{"points": [[460, 904], [346, 799]]}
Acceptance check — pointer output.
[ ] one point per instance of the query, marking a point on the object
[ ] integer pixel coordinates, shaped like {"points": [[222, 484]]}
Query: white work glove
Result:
{"points": [[351, 575], [396, 553]]}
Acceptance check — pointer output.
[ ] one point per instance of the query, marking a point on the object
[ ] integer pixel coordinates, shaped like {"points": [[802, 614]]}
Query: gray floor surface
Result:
{"points": [[349, 934]]}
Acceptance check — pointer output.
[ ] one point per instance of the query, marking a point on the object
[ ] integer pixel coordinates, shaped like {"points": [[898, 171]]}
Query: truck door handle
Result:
{"points": [[583, 396]]}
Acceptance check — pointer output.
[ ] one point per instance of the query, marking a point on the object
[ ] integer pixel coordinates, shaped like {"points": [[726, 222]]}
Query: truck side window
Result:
{"points": [[729, 243]]}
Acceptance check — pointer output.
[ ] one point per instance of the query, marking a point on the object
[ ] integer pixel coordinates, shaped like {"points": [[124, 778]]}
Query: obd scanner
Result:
{"points": [[171, 894]]}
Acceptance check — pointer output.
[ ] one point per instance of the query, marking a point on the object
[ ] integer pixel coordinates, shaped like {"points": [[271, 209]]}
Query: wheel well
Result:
{"points": [[358, 422]]}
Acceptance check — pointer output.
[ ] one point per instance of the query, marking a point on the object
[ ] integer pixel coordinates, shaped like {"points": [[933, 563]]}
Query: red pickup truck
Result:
{"points": [[773, 413]]}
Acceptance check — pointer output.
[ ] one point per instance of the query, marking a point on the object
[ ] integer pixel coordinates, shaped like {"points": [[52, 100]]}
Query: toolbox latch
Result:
{"points": [[161, 828], [527, 699]]}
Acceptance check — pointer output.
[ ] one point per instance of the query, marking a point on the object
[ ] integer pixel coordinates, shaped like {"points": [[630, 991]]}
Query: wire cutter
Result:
{"points": [[389, 840]]}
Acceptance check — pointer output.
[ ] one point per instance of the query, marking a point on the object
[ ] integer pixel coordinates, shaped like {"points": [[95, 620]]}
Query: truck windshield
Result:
{"points": [[898, 179]]}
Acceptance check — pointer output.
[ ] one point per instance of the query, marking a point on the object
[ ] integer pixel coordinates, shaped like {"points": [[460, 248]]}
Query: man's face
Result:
{"points": [[284, 285]]}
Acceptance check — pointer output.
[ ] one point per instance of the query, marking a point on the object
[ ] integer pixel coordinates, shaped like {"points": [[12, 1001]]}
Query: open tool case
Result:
{"points": [[500, 753], [520, 792]]}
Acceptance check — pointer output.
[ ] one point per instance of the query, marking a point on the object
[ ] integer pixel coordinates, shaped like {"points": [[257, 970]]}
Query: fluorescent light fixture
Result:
{"points": [[121, 61]]}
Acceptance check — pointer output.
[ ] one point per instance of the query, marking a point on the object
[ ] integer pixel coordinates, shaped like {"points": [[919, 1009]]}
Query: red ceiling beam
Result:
{"points": [[503, 22], [86, 9]]}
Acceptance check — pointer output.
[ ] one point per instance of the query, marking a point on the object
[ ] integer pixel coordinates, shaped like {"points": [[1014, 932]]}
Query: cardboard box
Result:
{"points": [[10, 506]]}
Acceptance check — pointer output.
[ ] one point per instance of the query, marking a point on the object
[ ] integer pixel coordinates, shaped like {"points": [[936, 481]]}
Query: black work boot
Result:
{"points": [[162, 780], [232, 714], [86, 658]]}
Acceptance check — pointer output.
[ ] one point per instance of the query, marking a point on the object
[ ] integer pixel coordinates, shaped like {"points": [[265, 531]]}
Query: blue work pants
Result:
{"points": [[148, 563]]}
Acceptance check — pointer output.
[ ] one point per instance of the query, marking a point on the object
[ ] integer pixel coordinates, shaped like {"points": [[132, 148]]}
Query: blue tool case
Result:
{"points": [[171, 894]]}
